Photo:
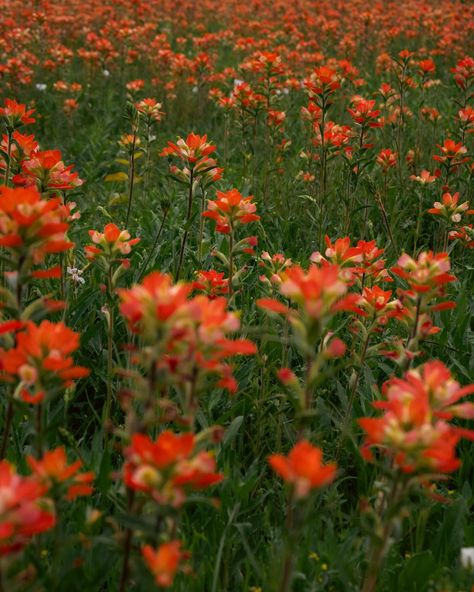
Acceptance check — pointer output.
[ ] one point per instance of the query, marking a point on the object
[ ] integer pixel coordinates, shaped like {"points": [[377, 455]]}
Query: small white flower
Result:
{"points": [[237, 81], [195, 89], [76, 275], [106, 73], [467, 557], [41, 87]]}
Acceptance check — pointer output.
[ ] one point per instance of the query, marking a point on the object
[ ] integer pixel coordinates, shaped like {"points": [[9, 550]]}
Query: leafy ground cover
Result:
{"points": [[236, 249]]}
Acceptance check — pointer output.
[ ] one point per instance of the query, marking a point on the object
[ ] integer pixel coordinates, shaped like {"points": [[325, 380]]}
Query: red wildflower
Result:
{"points": [[413, 429], [110, 243], [426, 274], [386, 159], [212, 283], [47, 172], [193, 150], [32, 227], [41, 359], [451, 153], [364, 114], [231, 209], [24, 511], [165, 468], [53, 470], [303, 468], [449, 208], [164, 562], [15, 114]]}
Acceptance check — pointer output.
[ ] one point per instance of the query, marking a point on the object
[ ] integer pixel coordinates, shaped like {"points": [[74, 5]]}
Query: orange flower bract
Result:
{"points": [[303, 468]]}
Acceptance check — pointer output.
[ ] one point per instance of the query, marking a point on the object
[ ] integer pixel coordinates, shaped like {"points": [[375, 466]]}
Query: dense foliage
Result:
{"points": [[236, 338]]}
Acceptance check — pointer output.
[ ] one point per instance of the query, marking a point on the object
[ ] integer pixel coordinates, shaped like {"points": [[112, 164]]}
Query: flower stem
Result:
{"points": [[131, 176], [127, 547], [155, 243], [186, 232], [231, 262], [7, 428]]}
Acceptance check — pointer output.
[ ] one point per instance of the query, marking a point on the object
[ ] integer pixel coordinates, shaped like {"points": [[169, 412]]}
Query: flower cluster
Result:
{"points": [[187, 334], [41, 361], [166, 469], [414, 429]]}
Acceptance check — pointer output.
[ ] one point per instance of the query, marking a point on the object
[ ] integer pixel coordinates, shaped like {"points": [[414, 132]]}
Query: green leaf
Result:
{"points": [[113, 177]]}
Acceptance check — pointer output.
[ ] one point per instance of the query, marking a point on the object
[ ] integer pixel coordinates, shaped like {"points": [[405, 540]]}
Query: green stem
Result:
{"points": [[352, 393], [131, 177], [6, 429], [39, 430], [231, 262], [380, 545], [155, 243], [127, 547], [110, 370], [9, 413], [186, 232], [9, 156], [287, 570], [201, 223]]}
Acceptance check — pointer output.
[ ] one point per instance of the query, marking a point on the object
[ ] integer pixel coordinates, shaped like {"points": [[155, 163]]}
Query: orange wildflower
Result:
{"points": [[303, 468], [231, 209], [15, 114], [24, 512], [53, 470], [164, 561], [41, 359]]}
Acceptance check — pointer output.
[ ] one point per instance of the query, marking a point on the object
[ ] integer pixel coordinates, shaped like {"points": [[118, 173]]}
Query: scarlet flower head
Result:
{"points": [[24, 511], [463, 72], [231, 209], [15, 114], [303, 468], [47, 172], [164, 562], [150, 109], [194, 150], [372, 265], [32, 227], [274, 267], [424, 178], [464, 234], [339, 253], [427, 274], [323, 81], [364, 114], [466, 119], [413, 429], [149, 306], [168, 467], [450, 209], [52, 470], [20, 148], [377, 304], [427, 66], [41, 360], [110, 243], [320, 291], [319, 294], [451, 153], [191, 333], [212, 283], [386, 159]]}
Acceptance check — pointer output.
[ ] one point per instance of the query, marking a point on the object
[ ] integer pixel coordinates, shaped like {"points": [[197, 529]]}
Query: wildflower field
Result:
{"points": [[236, 295]]}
